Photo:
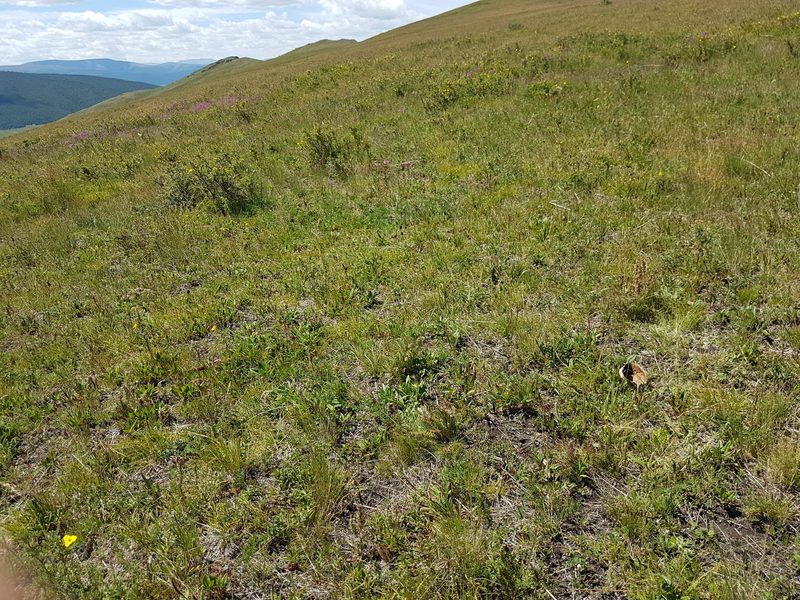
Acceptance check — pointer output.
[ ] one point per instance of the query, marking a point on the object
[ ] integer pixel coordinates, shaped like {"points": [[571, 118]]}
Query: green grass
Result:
{"points": [[316, 48], [8, 132], [350, 324]]}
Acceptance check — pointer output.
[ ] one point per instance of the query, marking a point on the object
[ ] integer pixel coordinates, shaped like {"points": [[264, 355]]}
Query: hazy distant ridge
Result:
{"points": [[156, 74]]}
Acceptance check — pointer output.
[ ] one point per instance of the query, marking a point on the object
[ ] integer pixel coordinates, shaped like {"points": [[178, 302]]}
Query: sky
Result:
{"points": [[171, 30]]}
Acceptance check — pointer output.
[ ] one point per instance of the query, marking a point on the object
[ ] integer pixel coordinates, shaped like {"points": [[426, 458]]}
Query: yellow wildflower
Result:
{"points": [[68, 540]]}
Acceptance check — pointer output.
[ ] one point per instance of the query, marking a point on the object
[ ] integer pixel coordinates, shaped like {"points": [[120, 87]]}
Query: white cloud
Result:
{"points": [[231, 5], [165, 30], [35, 3], [95, 22], [375, 9]]}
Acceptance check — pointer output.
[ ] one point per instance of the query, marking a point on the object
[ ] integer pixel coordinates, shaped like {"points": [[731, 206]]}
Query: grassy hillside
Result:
{"points": [[28, 99], [349, 324], [322, 47], [7, 132]]}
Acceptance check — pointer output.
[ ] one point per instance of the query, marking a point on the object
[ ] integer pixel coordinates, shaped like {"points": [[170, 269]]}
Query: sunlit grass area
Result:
{"points": [[350, 324]]}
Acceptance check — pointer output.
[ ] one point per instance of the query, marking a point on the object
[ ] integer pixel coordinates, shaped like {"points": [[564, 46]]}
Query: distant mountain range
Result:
{"points": [[154, 74], [31, 99]]}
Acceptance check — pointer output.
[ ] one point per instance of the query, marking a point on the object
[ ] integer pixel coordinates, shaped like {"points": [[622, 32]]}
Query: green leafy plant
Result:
{"points": [[335, 152], [223, 185]]}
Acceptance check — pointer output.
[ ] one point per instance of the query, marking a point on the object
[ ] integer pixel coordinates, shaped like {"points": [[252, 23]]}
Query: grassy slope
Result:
{"points": [[8, 132], [240, 350], [326, 47], [28, 99]]}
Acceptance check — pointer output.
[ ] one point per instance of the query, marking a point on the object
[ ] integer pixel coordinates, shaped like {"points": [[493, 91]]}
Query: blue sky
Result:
{"points": [[167, 30]]}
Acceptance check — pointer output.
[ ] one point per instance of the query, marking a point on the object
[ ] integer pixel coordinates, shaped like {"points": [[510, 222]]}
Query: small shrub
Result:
{"points": [[335, 152], [223, 185]]}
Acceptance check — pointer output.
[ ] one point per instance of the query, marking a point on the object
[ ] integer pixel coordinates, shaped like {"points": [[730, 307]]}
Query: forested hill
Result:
{"points": [[30, 99]]}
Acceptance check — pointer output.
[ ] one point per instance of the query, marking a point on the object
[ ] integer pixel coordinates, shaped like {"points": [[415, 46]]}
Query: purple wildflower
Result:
{"points": [[228, 101], [77, 137], [201, 106]]}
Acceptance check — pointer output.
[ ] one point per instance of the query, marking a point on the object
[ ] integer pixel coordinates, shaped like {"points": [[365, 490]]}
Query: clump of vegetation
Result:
{"points": [[334, 152], [492, 79], [223, 185]]}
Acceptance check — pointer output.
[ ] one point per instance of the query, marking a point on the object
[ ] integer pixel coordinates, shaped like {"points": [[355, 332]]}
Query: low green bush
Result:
{"points": [[335, 152], [222, 185]]}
